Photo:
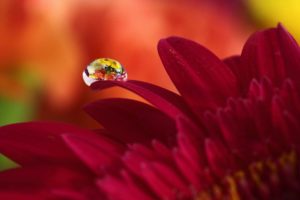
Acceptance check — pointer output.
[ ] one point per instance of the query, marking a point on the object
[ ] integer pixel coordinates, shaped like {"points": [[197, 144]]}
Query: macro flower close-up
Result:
{"points": [[231, 132]]}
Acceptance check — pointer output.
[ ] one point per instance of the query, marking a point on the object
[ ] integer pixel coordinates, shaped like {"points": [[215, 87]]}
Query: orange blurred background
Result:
{"points": [[45, 45]]}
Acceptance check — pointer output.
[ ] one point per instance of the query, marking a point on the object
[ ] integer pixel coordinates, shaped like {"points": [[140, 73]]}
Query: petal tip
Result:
{"points": [[170, 41]]}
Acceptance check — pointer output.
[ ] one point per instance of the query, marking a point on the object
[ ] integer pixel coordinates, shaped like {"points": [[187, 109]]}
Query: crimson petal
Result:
{"points": [[291, 53], [88, 148], [165, 100], [126, 119], [125, 187], [234, 63], [40, 142], [219, 157], [272, 53], [203, 80], [41, 180]]}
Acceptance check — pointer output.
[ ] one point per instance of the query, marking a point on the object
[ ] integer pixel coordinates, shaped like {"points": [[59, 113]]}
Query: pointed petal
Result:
{"points": [[165, 100], [132, 121], [202, 79], [272, 53], [41, 142], [261, 56]]}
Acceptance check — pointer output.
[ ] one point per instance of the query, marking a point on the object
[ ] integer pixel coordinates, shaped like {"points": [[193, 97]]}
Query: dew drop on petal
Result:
{"points": [[103, 69]]}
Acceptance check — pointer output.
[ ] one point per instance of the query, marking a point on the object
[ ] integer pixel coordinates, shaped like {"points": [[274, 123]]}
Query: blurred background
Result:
{"points": [[45, 45]]}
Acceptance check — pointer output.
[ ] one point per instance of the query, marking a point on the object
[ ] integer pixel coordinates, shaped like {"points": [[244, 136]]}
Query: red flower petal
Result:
{"points": [[287, 126], [165, 100], [261, 56], [150, 165], [234, 63], [88, 148], [219, 157], [190, 156], [125, 188], [158, 181], [239, 131], [132, 121], [41, 180], [272, 53], [291, 53], [40, 142], [191, 175], [161, 149], [170, 176], [203, 80], [19, 196], [190, 141]]}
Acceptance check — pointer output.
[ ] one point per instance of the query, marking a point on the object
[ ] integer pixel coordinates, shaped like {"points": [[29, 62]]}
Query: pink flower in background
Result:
{"points": [[232, 133]]}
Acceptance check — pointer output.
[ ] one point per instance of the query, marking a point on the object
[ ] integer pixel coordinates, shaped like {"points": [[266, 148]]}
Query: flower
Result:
{"points": [[232, 133]]}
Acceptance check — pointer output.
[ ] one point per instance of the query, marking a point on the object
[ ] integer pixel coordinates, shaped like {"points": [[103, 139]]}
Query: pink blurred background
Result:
{"points": [[45, 45]]}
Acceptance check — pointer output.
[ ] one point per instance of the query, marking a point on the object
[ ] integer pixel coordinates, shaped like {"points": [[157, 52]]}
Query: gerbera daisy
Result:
{"points": [[232, 133]]}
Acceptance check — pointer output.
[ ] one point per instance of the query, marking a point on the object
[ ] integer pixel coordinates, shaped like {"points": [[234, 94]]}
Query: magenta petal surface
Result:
{"points": [[125, 187], [234, 63], [272, 53], [132, 121], [165, 100], [40, 142], [291, 53], [202, 79], [42, 181], [88, 148]]}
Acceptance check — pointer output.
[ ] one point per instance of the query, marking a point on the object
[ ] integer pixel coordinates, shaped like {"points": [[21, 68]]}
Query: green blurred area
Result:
{"points": [[12, 111], [6, 163], [21, 108]]}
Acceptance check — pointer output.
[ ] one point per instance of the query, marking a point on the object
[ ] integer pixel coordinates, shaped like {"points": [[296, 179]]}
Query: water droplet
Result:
{"points": [[103, 69]]}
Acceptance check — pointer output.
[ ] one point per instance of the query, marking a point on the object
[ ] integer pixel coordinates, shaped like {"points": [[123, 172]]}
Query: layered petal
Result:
{"points": [[203, 80], [38, 142], [165, 100], [272, 53], [132, 121], [125, 187], [44, 182], [234, 63], [88, 148]]}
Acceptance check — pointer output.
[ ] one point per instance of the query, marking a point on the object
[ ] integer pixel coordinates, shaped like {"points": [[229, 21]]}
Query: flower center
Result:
{"points": [[271, 179]]}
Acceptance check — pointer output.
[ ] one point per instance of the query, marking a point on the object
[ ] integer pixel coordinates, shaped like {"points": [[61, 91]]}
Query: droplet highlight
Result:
{"points": [[104, 69]]}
